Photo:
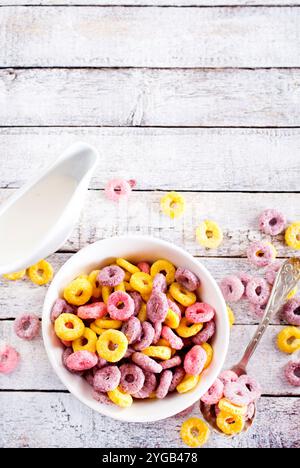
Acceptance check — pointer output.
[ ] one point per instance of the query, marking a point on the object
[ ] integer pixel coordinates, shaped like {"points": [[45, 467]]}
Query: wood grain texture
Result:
{"points": [[61, 421], [145, 97], [154, 3], [149, 37], [208, 159]]}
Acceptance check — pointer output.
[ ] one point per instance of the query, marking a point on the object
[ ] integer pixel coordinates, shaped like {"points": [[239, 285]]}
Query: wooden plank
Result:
{"points": [[222, 159], [145, 97], [61, 421], [155, 3], [149, 37]]}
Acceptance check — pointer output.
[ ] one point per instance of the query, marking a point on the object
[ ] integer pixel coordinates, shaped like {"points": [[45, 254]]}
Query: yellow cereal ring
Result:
{"points": [[127, 276], [292, 236], [69, 327], [173, 205], [41, 273], [141, 282], [17, 275], [78, 292], [182, 295], [165, 267], [96, 329], [209, 234], [292, 293], [128, 286], [188, 383], [159, 352], [142, 315], [209, 352], [230, 424], [163, 342], [120, 287], [186, 329], [172, 320], [194, 432], [152, 396], [127, 266], [288, 340], [106, 292], [227, 407], [231, 316], [112, 345], [120, 398], [95, 283], [108, 323], [87, 341]]}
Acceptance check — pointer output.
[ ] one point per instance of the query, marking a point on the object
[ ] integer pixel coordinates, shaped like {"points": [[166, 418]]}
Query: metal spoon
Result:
{"points": [[286, 280]]}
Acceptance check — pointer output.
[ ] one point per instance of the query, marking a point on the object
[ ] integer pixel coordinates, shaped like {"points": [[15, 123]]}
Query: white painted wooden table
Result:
{"points": [[179, 94]]}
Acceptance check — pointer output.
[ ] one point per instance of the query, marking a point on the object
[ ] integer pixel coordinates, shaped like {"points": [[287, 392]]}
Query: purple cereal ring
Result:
{"points": [[200, 312], [272, 222], [174, 307], [146, 337], [228, 376], [111, 276], [107, 378], [252, 386], [194, 360], [174, 340], [292, 373], [214, 393], [159, 283], [258, 291], [146, 363], [157, 332], [132, 378], [101, 363], [291, 312], [169, 363], [148, 387], [89, 377], [164, 384], [257, 310], [138, 301], [120, 306], [94, 311], [271, 272], [237, 393], [187, 279], [205, 334], [157, 307], [144, 267], [9, 359], [261, 254], [132, 329], [27, 327], [81, 361], [60, 307], [178, 376], [232, 288], [129, 352], [102, 398], [250, 412], [245, 278]]}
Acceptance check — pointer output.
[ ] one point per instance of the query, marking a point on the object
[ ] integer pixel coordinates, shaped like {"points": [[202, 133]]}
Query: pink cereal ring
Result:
{"points": [[174, 307], [228, 376], [260, 254], [257, 310], [144, 267], [157, 332], [111, 276], [102, 398], [258, 291], [292, 373], [252, 386], [107, 378], [132, 329], [132, 378], [66, 353], [245, 278], [271, 272], [291, 312], [187, 279], [27, 326], [232, 288], [200, 312], [157, 307], [138, 301], [178, 376], [60, 307], [93, 311], [146, 363], [195, 360], [164, 384], [148, 387], [173, 362], [120, 306], [272, 222], [214, 393], [81, 361], [168, 334], [117, 188], [205, 334], [159, 283], [146, 338], [129, 352], [9, 359], [237, 393], [250, 412]]}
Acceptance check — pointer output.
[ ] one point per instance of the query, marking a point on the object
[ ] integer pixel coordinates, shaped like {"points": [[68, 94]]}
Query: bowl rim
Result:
{"points": [[104, 409]]}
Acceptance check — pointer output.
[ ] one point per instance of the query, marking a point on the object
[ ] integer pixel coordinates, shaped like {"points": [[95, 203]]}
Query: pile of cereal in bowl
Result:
{"points": [[135, 331]]}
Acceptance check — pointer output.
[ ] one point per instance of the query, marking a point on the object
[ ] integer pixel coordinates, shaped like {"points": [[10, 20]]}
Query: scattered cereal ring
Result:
{"points": [[172, 319], [144, 266], [81, 361], [93, 311], [60, 306], [288, 340], [237, 393], [227, 407], [188, 383], [228, 376], [231, 316], [146, 363], [112, 345], [272, 222], [209, 354], [244, 278], [68, 327], [258, 291], [142, 315], [159, 283], [257, 310], [78, 292], [120, 306], [141, 282], [138, 301], [164, 384], [232, 288], [169, 363], [158, 352], [174, 340], [102, 398], [9, 359], [292, 373], [230, 424], [187, 329], [157, 332], [93, 279], [120, 398], [27, 326], [195, 360], [132, 329], [214, 393], [117, 189], [292, 236], [106, 292], [17, 275], [111, 276], [271, 272], [173, 205], [132, 378], [200, 312], [108, 323], [86, 342], [252, 386], [209, 234], [146, 337], [206, 334], [41, 273], [148, 387], [194, 432], [127, 265], [261, 254], [178, 377], [187, 279], [157, 307], [291, 312], [107, 378]]}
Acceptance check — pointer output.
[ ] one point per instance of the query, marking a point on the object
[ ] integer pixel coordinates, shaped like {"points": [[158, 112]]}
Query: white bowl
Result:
{"points": [[136, 248]]}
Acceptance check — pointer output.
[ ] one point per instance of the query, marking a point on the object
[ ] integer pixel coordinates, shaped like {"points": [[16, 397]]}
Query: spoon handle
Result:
{"points": [[286, 280]]}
